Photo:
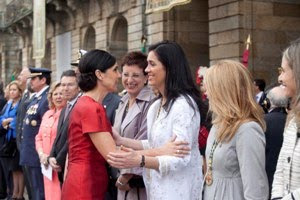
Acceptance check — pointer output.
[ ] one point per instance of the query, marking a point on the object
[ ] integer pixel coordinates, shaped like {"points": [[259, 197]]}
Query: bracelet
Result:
{"points": [[142, 164], [120, 183]]}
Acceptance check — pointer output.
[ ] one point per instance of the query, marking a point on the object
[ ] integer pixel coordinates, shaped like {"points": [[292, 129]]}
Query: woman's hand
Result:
{"points": [[122, 182], [175, 148], [127, 159], [6, 122], [43, 159], [116, 136]]}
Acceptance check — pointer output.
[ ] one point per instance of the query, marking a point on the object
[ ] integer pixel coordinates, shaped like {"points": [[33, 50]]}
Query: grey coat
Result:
{"points": [[134, 126], [238, 167]]}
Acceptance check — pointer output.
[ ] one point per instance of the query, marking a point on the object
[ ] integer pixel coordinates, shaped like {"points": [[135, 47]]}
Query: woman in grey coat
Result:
{"points": [[235, 150], [130, 120]]}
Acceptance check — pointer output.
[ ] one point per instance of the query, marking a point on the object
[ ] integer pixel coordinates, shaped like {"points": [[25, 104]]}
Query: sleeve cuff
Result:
{"points": [[145, 144]]}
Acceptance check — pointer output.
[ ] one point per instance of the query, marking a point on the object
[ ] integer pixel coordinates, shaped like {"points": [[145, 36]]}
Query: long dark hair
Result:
{"points": [[178, 76]]}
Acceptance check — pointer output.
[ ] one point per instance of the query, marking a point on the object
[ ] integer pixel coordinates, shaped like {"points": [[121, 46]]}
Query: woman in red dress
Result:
{"points": [[89, 135]]}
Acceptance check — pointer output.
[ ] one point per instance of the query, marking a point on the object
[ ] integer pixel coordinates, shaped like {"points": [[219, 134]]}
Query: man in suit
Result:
{"points": [[71, 92], [260, 95], [40, 81], [24, 102], [276, 102]]}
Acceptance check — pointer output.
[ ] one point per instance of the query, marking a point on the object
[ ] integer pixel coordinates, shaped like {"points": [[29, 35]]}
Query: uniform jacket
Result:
{"points": [[31, 124]]}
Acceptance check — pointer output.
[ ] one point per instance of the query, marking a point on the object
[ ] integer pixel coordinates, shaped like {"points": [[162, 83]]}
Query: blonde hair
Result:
{"points": [[50, 93], [231, 98], [16, 83]]}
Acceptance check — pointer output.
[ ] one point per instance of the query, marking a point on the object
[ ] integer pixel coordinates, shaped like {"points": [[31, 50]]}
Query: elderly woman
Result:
{"points": [[286, 183], [46, 136], [8, 122], [175, 112], [235, 150], [131, 121]]}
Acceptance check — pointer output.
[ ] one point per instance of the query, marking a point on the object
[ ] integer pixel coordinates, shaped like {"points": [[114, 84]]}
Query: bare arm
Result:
{"points": [[104, 143]]}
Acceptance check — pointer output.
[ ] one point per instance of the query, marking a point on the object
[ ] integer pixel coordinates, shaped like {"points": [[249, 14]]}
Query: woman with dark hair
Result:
{"points": [[131, 120], [175, 112], [89, 136]]}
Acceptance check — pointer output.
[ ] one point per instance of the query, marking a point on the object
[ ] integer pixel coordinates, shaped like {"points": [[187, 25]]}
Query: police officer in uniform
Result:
{"points": [[40, 81]]}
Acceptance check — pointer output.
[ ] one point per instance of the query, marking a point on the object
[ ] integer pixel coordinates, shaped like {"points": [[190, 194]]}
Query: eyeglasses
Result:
{"points": [[133, 76], [280, 70]]}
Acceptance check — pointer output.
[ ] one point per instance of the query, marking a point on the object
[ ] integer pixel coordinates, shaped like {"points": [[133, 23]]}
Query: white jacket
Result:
{"points": [[286, 184]]}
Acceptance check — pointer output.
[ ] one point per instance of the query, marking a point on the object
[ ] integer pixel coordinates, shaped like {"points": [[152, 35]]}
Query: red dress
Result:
{"points": [[87, 176]]}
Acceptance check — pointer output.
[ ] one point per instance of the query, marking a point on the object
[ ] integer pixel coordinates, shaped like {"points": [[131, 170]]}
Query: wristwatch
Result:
{"points": [[142, 164]]}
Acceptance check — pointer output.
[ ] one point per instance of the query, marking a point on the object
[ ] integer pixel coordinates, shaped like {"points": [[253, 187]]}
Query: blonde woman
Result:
{"points": [[286, 184], [236, 144], [46, 136]]}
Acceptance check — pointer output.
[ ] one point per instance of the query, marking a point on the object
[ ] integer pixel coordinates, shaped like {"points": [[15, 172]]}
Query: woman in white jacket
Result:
{"points": [[286, 184]]}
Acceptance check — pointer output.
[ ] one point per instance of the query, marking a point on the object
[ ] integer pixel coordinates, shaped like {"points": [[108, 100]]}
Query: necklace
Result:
{"points": [[209, 177], [159, 109]]}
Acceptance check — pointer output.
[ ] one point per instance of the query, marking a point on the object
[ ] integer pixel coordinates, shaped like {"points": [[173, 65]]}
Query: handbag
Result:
{"points": [[3, 131], [9, 149]]}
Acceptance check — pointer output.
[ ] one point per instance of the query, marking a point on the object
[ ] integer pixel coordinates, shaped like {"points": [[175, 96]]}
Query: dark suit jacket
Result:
{"points": [[111, 103], [20, 117], [60, 147], [275, 121]]}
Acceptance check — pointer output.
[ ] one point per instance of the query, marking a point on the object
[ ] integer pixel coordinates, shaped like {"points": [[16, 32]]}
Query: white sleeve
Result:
{"points": [[185, 124]]}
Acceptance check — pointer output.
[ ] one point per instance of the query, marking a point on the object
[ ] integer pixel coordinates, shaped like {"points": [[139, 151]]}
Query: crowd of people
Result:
{"points": [[77, 139]]}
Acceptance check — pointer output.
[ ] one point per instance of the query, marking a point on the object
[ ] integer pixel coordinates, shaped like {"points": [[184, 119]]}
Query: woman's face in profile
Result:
{"points": [[111, 78], [286, 79]]}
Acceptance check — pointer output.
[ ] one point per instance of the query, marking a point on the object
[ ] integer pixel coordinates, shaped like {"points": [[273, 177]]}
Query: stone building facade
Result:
{"points": [[208, 30]]}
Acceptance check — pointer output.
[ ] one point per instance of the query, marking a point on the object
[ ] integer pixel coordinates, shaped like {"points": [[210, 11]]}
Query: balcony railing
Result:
{"points": [[14, 11]]}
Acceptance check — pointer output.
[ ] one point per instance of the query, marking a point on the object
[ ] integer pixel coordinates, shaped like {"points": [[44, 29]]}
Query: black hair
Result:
{"points": [[260, 83], [47, 76], [135, 58], [90, 62], [179, 79], [68, 73]]}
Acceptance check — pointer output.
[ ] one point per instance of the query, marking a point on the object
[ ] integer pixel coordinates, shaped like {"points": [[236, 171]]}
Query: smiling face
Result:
{"points": [[287, 79], [57, 98], [156, 72], [133, 79]]}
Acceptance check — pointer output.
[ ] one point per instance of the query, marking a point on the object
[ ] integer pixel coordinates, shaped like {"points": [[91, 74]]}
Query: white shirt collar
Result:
{"points": [[39, 93]]}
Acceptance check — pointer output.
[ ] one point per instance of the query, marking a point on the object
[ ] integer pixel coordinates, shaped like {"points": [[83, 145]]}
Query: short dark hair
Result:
{"points": [[179, 79], [69, 73], [135, 58], [90, 62], [47, 76], [260, 83]]}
